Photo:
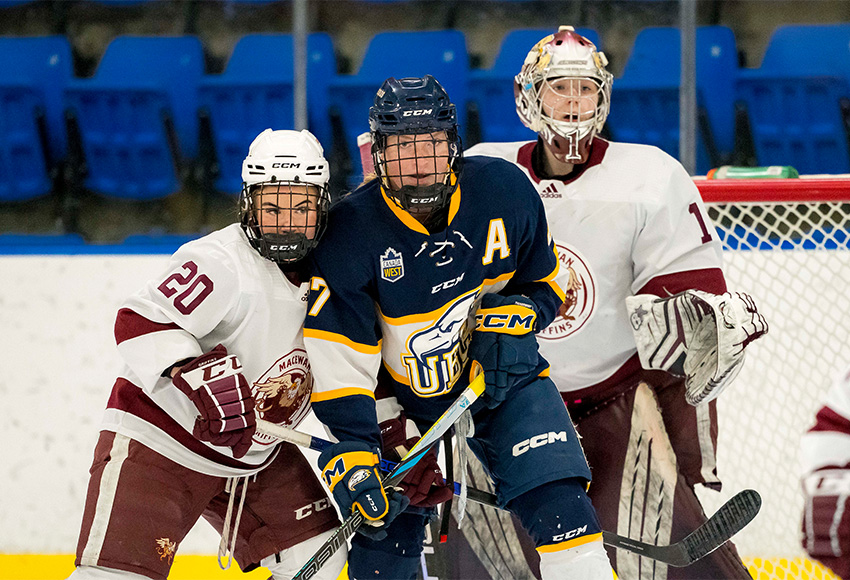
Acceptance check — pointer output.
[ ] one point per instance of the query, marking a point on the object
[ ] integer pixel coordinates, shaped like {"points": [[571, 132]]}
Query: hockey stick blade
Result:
{"points": [[431, 436], [730, 519]]}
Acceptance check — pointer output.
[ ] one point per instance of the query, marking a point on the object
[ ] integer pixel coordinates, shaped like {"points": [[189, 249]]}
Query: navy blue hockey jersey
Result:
{"points": [[387, 295]]}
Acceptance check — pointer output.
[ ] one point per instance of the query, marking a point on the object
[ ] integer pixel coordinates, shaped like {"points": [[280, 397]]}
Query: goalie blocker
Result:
{"points": [[695, 334]]}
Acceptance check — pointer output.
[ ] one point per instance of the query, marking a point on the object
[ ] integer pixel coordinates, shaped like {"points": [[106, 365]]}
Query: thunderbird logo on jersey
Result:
{"points": [[438, 352], [580, 301], [392, 266]]}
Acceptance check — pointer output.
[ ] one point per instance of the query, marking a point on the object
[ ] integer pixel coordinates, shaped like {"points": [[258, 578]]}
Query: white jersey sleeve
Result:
{"points": [[197, 292], [674, 232]]}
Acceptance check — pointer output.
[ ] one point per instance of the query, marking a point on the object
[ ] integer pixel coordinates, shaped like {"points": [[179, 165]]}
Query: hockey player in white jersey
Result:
{"points": [[825, 457], [210, 346], [629, 224]]}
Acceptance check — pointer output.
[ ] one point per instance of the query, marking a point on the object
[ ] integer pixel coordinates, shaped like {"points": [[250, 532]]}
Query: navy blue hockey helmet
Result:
{"points": [[416, 148]]}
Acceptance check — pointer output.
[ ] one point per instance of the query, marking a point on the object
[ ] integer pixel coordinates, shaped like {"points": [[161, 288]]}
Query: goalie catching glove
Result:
{"points": [[350, 470], [503, 345], [215, 384], [711, 332]]}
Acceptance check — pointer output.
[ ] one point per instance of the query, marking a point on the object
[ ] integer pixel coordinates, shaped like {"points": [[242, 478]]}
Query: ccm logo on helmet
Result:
{"points": [[285, 165], [417, 113], [538, 441]]}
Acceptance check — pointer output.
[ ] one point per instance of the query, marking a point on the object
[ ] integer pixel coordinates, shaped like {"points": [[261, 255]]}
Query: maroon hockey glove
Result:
{"points": [[215, 384], [424, 484], [826, 518]]}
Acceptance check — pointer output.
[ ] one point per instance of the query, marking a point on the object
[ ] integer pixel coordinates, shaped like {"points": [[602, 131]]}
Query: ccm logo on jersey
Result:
{"points": [[538, 441], [417, 113], [447, 284], [571, 534], [312, 508]]}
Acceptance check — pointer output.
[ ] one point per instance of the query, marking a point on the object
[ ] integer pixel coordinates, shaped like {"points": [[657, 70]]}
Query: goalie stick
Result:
{"points": [[432, 436], [731, 518]]}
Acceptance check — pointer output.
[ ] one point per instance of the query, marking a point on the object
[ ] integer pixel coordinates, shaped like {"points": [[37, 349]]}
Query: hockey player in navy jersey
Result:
{"points": [[210, 346], [439, 268]]}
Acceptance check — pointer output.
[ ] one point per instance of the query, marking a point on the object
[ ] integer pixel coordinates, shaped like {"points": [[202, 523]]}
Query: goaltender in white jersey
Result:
{"points": [[648, 335], [209, 347]]}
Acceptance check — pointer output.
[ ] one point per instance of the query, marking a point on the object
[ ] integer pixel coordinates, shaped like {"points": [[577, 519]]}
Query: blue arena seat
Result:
{"points": [[645, 100], [441, 53], [33, 73], [255, 92], [798, 101], [492, 90], [137, 116]]}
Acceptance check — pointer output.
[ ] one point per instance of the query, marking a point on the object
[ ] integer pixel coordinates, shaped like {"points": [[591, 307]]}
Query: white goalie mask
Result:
{"points": [[563, 93], [285, 200]]}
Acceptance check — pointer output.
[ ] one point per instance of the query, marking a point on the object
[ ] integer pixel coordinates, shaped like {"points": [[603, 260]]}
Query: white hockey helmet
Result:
{"points": [[570, 56], [290, 166]]}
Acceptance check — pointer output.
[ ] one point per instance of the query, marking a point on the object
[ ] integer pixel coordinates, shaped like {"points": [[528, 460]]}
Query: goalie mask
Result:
{"points": [[416, 149], [563, 93], [284, 203]]}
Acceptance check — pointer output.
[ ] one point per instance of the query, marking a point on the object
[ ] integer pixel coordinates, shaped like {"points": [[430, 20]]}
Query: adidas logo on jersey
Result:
{"points": [[550, 191]]}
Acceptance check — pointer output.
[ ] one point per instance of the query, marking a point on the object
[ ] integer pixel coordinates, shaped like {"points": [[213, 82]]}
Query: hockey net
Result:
{"points": [[786, 242]]}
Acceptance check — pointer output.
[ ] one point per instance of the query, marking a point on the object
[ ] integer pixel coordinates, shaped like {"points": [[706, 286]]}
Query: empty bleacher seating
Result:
{"points": [[798, 100], [645, 99], [255, 92], [137, 117], [33, 74]]}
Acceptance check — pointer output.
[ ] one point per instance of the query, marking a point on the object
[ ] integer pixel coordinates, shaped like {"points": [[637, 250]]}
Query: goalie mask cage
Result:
{"points": [[786, 243]]}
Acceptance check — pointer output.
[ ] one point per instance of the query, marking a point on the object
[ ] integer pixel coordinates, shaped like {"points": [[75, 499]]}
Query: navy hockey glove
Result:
{"points": [[350, 470], [424, 484], [503, 345], [215, 384]]}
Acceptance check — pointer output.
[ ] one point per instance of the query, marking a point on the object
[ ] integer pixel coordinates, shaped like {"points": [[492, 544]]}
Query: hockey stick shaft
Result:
{"points": [[319, 444], [432, 436]]}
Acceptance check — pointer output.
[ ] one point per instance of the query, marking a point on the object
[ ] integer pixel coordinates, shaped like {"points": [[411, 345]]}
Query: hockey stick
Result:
{"points": [[731, 518], [432, 436], [318, 444], [725, 523]]}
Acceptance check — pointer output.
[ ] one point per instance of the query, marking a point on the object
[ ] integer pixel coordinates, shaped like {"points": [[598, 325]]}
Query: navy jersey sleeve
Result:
{"points": [[341, 336]]}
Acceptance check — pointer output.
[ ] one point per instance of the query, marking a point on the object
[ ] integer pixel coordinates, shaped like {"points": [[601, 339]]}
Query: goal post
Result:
{"points": [[787, 243]]}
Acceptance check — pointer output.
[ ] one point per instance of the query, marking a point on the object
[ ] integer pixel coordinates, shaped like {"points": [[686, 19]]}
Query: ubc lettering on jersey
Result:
{"points": [[436, 354]]}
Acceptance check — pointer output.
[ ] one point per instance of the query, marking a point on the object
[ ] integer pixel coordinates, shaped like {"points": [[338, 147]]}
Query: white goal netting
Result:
{"points": [[792, 256]]}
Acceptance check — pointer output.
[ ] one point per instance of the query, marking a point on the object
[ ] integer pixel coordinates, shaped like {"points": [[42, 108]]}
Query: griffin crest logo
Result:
{"points": [[283, 392], [166, 549], [580, 301]]}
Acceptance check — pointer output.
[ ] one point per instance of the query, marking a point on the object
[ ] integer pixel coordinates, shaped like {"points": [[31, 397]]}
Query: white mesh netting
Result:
{"points": [[794, 259]]}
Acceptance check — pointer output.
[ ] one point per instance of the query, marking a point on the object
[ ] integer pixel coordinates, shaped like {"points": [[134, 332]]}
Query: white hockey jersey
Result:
{"points": [[217, 289], [827, 442], [629, 221]]}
